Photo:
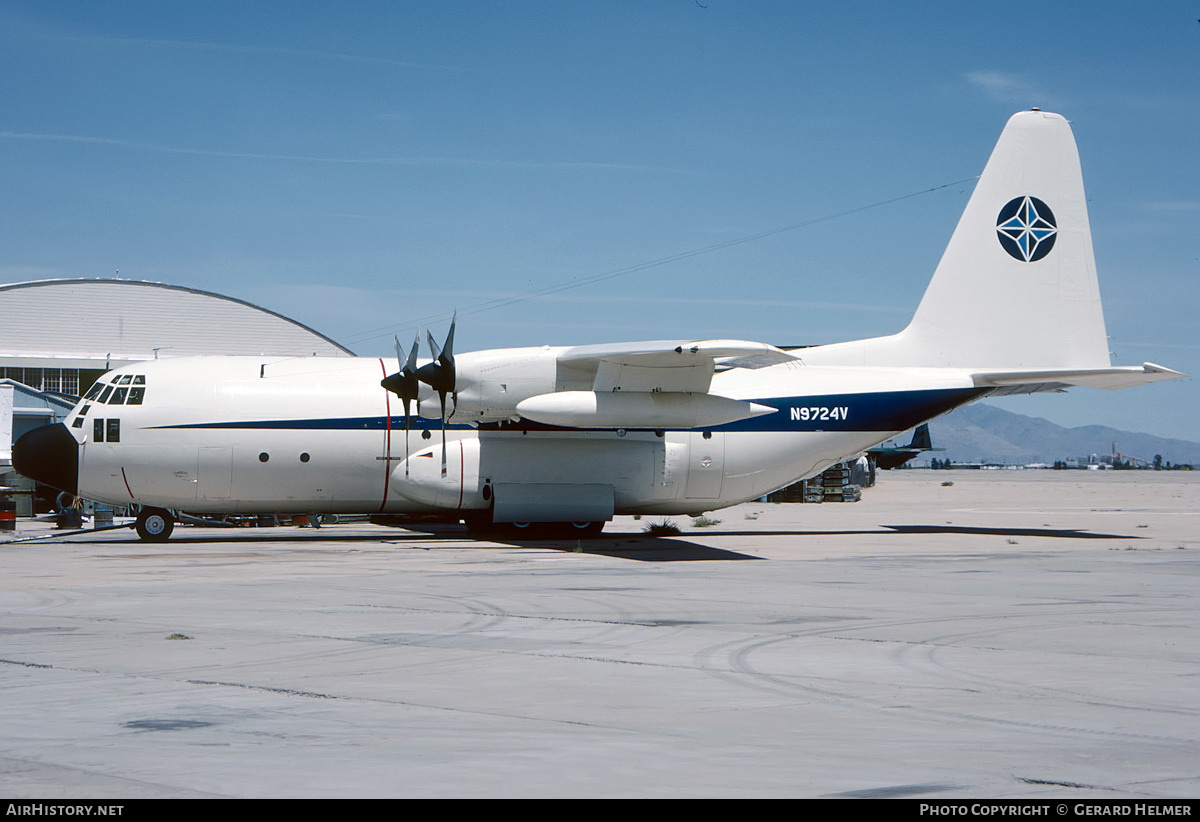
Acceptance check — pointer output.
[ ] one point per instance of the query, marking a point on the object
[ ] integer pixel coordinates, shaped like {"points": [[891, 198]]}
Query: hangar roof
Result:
{"points": [[75, 323]]}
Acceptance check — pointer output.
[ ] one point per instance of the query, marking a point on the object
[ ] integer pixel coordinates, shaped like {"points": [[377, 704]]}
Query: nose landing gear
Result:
{"points": [[154, 525]]}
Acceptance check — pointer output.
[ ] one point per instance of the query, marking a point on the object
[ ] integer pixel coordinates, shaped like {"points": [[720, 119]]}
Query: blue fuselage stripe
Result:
{"points": [[874, 411], [867, 411]]}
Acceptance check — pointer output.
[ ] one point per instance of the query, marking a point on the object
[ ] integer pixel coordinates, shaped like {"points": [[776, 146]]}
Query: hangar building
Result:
{"points": [[58, 336]]}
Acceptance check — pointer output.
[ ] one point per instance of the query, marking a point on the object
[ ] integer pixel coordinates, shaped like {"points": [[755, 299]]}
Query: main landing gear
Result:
{"points": [[485, 528]]}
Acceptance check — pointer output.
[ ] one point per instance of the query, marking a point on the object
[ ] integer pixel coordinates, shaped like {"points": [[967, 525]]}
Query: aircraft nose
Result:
{"points": [[48, 455]]}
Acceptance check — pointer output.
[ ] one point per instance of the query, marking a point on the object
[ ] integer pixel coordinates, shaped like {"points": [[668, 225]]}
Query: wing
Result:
{"points": [[679, 366], [660, 384]]}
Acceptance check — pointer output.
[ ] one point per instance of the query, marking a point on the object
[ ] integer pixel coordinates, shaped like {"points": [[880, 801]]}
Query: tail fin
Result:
{"points": [[921, 438], [1016, 287]]}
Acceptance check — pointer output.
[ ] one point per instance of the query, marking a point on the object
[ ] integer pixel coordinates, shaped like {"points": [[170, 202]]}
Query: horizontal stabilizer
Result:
{"points": [[1107, 378]]}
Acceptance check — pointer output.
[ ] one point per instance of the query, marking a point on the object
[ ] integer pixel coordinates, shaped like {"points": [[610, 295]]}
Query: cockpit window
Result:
{"points": [[110, 395]]}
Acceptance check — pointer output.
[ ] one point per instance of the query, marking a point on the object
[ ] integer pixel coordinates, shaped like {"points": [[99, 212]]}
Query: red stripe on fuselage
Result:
{"points": [[387, 461]]}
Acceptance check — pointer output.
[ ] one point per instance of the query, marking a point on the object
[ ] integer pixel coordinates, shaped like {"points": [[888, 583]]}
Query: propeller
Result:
{"points": [[404, 382], [440, 375], [405, 385]]}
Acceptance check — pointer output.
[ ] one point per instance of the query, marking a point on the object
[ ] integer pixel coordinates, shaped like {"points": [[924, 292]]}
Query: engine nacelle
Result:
{"points": [[489, 384], [422, 478]]}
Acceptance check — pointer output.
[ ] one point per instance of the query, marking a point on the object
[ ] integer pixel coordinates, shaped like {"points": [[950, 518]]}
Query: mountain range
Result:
{"points": [[985, 433]]}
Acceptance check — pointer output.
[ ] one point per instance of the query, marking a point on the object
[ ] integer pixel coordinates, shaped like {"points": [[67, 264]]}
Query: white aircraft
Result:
{"points": [[574, 435]]}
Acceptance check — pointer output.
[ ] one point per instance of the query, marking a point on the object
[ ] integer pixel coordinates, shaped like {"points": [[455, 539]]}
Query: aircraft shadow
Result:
{"points": [[641, 547], [1059, 533]]}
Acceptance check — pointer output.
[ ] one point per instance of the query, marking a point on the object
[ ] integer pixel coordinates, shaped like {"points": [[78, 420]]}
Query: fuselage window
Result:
{"points": [[114, 430], [78, 422], [83, 411], [98, 430], [136, 394]]}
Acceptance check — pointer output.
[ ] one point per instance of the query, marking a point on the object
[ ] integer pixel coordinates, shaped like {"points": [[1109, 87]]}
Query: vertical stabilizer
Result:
{"points": [[1016, 286]]}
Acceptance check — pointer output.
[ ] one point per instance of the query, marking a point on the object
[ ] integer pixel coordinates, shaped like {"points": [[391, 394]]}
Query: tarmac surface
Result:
{"points": [[1014, 634]]}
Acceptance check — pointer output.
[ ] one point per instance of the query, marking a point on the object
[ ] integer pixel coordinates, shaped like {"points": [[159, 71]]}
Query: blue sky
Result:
{"points": [[583, 172]]}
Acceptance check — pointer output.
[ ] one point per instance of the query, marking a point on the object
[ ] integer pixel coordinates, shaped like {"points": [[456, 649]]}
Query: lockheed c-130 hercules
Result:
{"points": [[575, 435]]}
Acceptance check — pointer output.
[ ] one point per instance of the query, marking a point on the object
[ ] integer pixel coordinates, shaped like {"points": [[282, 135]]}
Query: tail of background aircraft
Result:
{"points": [[921, 438], [1016, 288]]}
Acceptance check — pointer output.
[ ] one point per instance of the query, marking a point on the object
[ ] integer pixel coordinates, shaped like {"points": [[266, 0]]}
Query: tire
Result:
{"points": [[572, 530], [552, 530], [583, 530], [154, 525]]}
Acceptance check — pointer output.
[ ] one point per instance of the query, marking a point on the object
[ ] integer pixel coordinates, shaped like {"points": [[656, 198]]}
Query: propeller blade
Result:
{"points": [[440, 375], [404, 383], [448, 348], [411, 365]]}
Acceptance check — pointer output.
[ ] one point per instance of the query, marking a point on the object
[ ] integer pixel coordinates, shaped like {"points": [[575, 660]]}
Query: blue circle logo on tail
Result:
{"points": [[1026, 228]]}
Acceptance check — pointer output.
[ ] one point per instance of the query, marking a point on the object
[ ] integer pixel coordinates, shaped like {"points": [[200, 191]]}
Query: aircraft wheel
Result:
{"points": [[154, 525], [572, 530], [584, 530], [552, 530], [523, 530]]}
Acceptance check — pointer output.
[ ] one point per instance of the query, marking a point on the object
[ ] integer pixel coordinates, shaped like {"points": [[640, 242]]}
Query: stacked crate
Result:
{"points": [[833, 485]]}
